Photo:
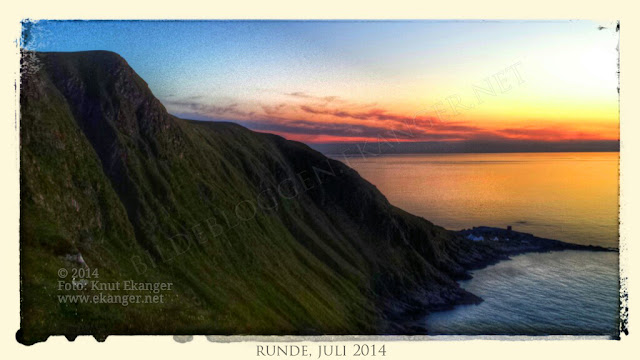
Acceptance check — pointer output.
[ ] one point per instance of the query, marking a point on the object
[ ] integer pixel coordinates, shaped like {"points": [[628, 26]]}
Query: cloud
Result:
{"points": [[342, 131], [305, 96], [273, 110], [318, 119], [555, 133], [195, 107], [381, 115]]}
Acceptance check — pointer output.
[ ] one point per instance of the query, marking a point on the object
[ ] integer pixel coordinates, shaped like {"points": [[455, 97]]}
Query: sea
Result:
{"points": [[571, 197]]}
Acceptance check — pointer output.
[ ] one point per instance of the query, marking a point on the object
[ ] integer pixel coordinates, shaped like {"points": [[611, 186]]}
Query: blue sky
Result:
{"points": [[268, 74]]}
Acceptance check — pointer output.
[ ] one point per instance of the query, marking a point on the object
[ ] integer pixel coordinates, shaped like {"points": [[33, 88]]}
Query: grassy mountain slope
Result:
{"points": [[258, 234]]}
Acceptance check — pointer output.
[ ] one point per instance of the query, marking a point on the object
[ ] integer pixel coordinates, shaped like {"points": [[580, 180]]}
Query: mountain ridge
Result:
{"points": [[259, 234]]}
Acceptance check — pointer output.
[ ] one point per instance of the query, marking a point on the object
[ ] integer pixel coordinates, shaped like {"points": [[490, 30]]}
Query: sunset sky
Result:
{"points": [[322, 82]]}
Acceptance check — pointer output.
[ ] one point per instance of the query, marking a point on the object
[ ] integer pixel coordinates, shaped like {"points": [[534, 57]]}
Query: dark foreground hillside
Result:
{"points": [[258, 234]]}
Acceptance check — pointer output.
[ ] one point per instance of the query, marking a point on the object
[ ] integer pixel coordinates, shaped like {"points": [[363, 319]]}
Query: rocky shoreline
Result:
{"points": [[504, 243], [493, 245]]}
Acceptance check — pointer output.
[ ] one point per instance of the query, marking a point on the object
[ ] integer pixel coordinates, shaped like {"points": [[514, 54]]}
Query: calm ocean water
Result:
{"points": [[571, 197], [560, 293], [566, 196]]}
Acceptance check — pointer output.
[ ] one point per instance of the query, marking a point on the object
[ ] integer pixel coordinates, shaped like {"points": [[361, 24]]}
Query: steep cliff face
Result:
{"points": [[258, 234]]}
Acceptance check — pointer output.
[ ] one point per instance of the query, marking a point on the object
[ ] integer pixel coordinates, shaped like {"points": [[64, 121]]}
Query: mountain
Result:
{"points": [[256, 234]]}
